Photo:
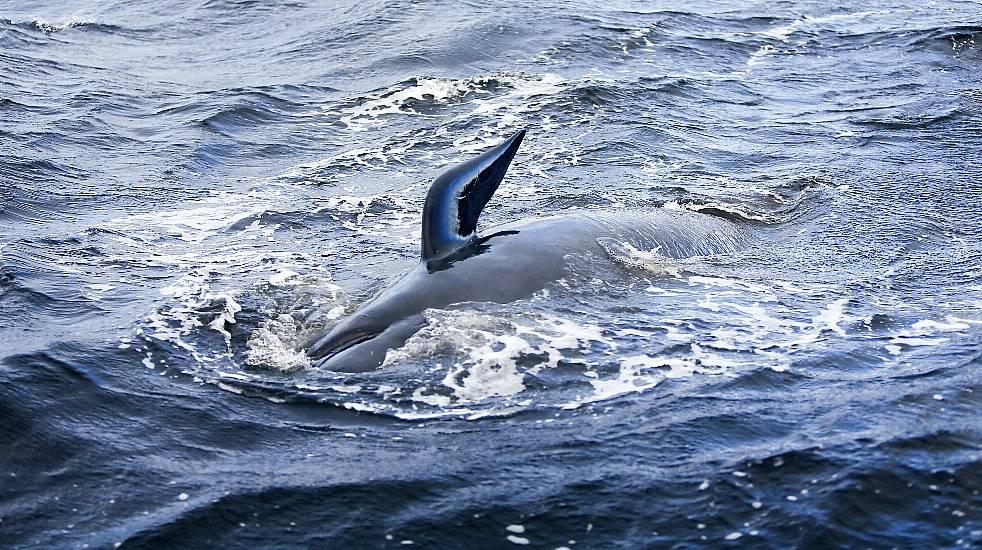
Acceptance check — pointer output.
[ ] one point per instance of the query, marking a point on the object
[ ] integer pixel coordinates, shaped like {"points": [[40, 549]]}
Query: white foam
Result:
{"points": [[832, 315], [953, 324], [400, 223], [924, 333], [195, 224], [495, 355], [371, 112], [45, 25], [760, 53], [649, 260], [277, 343], [784, 32], [731, 208], [492, 371], [285, 277], [490, 348], [101, 287], [227, 316], [433, 399], [430, 89], [918, 341], [636, 374]]}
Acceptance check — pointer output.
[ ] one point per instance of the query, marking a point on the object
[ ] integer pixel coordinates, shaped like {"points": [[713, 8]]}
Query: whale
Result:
{"points": [[460, 264]]}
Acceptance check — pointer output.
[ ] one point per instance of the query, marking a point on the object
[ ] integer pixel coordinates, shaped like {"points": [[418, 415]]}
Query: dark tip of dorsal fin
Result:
{"points": [[456, 198]]}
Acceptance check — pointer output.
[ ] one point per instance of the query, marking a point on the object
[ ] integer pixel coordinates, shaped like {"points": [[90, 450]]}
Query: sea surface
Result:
{"points": [[191, 190]]}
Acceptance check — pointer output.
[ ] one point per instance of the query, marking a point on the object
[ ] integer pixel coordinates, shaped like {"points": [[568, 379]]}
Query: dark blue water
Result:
{"points": [[189, 191]]}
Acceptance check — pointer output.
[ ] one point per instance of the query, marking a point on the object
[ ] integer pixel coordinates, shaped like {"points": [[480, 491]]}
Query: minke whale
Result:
{"points": [[505, 263]]}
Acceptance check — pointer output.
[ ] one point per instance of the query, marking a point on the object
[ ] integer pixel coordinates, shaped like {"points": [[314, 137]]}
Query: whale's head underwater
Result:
{"points": [[510, 262]]}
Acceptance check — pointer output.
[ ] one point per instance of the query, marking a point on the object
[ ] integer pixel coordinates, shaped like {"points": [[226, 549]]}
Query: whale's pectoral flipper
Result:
{"points": [[457, 197]]}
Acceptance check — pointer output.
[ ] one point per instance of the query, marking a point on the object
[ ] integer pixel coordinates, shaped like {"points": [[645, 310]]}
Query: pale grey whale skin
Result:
{"points": [[511, 262]]}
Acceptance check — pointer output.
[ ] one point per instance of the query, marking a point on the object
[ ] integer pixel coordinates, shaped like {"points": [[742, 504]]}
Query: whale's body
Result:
{"points": [[511, 262]]}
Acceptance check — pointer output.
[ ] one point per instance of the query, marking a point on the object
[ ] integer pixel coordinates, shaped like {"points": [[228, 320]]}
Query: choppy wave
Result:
{"points": [[47, 27]]}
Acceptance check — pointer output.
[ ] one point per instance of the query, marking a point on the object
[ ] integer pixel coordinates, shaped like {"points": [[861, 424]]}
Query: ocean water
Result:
{"points": [[191, 190]]}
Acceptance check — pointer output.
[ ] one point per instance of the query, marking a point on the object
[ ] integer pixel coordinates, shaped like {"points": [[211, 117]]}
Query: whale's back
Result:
{"points": [[671, 233], [668, 232]]}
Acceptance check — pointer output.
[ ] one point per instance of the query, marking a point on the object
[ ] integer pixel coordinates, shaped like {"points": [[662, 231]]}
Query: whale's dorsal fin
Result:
{"points": [[456, 199]]}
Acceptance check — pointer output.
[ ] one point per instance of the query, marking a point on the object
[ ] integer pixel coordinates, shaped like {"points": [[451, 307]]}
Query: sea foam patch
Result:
{"points": [[483, 94], [199, 221]]}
